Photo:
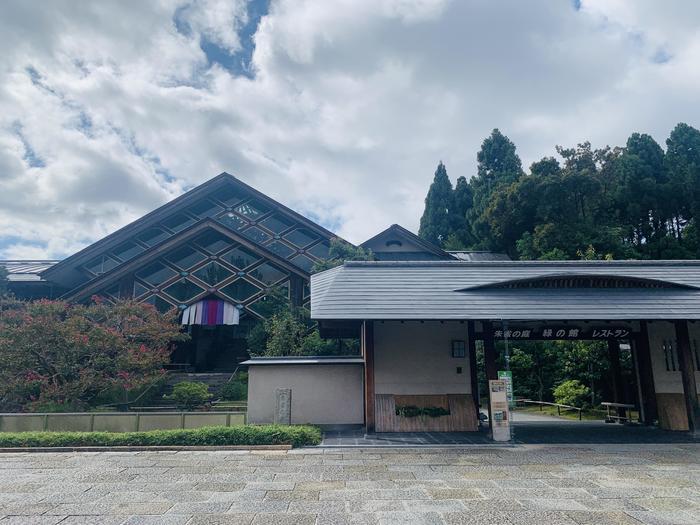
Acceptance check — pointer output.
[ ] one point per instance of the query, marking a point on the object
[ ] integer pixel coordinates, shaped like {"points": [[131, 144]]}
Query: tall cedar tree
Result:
{"points": [[436, 222]]}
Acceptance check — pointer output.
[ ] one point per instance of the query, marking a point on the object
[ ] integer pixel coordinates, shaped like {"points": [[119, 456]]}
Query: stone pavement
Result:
{"points": [[562, 484]]}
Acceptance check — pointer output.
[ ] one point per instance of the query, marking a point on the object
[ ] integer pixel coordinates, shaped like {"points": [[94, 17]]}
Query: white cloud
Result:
{"points": [[109, 109]]}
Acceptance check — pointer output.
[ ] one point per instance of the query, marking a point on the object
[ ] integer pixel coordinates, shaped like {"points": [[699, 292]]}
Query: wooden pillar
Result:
{"points": [[489, 351], [690, 389], [489, 361], [474, 377], [368, 354], [646, 374], [616, 371]]}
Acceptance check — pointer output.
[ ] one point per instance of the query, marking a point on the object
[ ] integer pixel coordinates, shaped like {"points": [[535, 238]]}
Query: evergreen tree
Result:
{"points": [[461, 236], [436, 222]]}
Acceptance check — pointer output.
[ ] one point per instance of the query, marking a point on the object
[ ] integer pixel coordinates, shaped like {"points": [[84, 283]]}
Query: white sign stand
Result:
{"points": [[500, 412]]}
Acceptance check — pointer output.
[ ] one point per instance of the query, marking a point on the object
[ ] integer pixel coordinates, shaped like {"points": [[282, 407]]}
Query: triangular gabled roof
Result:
{"points": [[396, 231], [66, 272]]}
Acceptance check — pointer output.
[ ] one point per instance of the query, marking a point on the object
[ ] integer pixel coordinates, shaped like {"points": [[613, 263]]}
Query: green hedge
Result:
{"points": [[296, 436]]}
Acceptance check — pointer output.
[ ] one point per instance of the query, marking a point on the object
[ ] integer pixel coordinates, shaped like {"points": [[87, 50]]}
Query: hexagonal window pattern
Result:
{"points": [[268, 274], [251, 209], [265, 306], [127, 250], [213, 242], [320, 250], [161, 304], [256, 234], [303, 262], [301, 237], [178, 222], [277, 223], [156, 273], [240, 257], [233, 221], [230, 195], [152, 236], [205, 208], [183, 290], [280, 248], [101, 264], [185, 257], [212, 273], [240, 290]]}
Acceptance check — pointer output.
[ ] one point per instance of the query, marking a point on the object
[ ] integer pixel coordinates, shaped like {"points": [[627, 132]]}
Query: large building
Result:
{"points": [[223, 243]]}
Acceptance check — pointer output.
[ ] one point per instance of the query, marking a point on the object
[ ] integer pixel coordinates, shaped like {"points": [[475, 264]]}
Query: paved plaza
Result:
{"points": [[527, 484]]}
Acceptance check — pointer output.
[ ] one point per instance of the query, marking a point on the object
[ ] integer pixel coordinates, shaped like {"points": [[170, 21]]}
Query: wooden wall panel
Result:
{"points": [[672, 414], [462, 418]]}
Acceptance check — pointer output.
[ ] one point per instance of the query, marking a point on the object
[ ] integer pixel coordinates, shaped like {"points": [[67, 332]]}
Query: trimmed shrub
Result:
{"points": [[572, 392], [297, 436], [190, 394], [234, 391]]}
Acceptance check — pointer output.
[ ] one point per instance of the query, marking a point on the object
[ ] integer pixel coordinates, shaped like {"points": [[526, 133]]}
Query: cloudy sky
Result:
{"points": [[340, 109]]}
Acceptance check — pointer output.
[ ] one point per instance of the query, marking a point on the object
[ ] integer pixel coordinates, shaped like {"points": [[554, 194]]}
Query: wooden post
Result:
{"points": [[489, 351], [489, 361], [368, 353], [474, 377], [646, 374], [690, 389], [618, 391]]}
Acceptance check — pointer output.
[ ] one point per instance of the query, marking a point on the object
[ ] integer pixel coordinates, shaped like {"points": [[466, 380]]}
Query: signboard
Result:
{"points": [[562, 332], [507, 376], [500, 412]]}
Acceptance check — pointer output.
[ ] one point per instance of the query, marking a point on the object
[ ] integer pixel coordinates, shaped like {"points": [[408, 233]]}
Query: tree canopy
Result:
{"points": [[632, 201]]}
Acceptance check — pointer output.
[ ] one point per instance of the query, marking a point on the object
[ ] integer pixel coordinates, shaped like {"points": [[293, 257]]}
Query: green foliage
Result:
{"points": [[635, 201], [236, 389], [339, 252], [572, 393], [297, 436], [437, 220], [414, 411], [189, 394], [54, 354], [3, 281]]}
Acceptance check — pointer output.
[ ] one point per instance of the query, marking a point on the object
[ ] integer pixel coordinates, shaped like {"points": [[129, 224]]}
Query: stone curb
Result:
{"points": [[175, 448]]}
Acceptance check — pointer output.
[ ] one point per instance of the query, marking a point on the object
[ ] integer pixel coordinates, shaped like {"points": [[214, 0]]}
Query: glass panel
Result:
{"points": [[276, 223], [251, 209], [301, 237], [185, 257], [152, 236], [240, 257], [265, 307], [230, 195], [303, 262], [101, 264], [256, 234], [268, 274], [240, 290], [212, 274], [156, 273], [139, 289], [281, 249], [213, 242], [178, 222], [205, 208], [161, 304], [320, 250], [307, 289], [109, 293], [233, 221], [127, 250], [183, 290]]}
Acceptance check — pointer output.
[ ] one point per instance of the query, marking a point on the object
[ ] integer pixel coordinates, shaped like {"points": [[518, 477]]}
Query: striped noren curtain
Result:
{"points": [[211, 312]]}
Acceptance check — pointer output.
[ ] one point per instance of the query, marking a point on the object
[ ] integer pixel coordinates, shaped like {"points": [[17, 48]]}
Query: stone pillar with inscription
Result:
{"points": [[283, 406]]}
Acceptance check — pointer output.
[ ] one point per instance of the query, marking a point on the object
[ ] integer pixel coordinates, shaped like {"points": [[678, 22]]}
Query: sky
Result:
{"points": [[340, 109]]}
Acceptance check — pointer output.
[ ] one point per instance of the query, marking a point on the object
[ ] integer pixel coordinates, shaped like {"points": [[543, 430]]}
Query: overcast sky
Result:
{"points": [[340, 109]]}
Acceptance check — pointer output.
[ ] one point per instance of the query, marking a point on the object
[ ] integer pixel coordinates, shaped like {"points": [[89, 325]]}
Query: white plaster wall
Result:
{"points": [[665, 381], [416, 358], [321, 394]]}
